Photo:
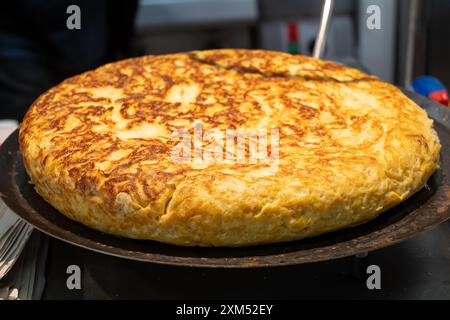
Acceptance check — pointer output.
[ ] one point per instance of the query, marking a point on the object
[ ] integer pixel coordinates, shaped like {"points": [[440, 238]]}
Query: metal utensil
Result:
{"points": [[321, 39]]}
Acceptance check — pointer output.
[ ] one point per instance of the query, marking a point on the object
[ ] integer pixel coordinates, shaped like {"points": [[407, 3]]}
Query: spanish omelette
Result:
{"points": [[99, 147]]}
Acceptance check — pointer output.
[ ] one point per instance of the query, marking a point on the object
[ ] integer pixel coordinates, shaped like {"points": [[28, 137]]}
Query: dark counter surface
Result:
{"points": [[415, 269]]}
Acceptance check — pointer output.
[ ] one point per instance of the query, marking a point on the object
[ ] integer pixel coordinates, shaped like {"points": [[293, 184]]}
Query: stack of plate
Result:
{"points": [[26, 281], [14, 234], [19, 278]]}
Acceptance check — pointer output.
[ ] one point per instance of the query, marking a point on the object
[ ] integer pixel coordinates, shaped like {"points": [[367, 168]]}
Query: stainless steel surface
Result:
{"points": [[270, 10], [321, 39], [410, 42], [413, 40], [175, 13], [377, 37]]}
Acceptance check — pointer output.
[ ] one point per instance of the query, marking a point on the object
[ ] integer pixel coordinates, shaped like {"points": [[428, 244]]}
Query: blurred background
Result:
{"points": [[37, 50]]}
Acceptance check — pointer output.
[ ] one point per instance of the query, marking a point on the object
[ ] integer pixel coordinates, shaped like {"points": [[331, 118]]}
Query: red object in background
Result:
{"points": [[432, 88], [440, 96], [293, 37], [293, 32]]}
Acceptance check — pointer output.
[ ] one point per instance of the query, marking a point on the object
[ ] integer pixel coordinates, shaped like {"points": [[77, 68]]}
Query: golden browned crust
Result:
{"points": [[98, 147]]}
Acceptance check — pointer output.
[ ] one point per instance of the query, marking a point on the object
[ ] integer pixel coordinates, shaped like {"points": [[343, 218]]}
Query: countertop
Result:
{"points": [[418, 268]]}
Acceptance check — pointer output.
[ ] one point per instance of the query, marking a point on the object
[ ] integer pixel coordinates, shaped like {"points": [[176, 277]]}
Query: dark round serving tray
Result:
{"points": [[426, 209]]}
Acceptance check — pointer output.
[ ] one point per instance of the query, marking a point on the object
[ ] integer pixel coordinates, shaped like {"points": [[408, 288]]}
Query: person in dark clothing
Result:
{"points": [[37, 50]]}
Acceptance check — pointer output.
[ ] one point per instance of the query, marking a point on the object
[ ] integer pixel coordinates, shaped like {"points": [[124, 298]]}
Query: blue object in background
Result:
{"points": [[431, 88]]}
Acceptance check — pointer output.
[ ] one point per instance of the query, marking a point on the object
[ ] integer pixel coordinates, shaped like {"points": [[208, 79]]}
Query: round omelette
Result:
{"points": [[150, 147]]}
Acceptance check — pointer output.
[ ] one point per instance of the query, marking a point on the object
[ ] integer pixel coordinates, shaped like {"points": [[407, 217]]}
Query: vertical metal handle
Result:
{"points": [[319, 46]]}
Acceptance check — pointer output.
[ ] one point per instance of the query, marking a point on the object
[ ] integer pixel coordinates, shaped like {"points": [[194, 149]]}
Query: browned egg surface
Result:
{"points": [[98, 147]]}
